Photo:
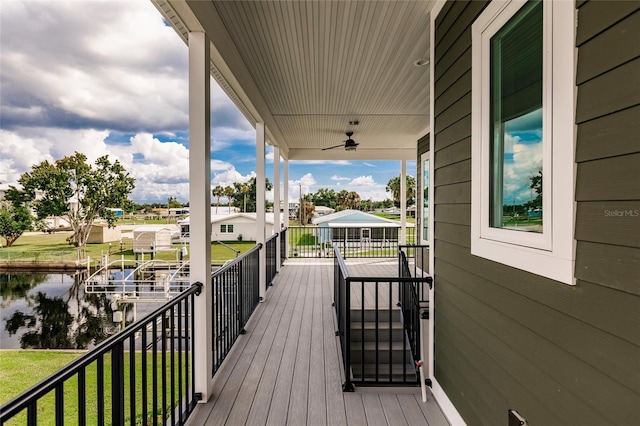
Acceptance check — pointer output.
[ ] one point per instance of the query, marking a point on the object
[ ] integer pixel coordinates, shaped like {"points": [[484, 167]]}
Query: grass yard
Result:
{"points": [[54, 247], [21, 369]]}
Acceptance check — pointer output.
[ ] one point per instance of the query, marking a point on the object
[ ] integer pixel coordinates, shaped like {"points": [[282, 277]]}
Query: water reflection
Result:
{"points": [[52, 311]]}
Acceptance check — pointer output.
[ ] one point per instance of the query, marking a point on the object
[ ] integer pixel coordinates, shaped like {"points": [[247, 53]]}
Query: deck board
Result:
{"points": [[287, 369]]}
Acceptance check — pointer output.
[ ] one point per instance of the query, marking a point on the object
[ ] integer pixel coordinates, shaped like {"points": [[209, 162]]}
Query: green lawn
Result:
{"points": [[54, 247], [21, 369]]}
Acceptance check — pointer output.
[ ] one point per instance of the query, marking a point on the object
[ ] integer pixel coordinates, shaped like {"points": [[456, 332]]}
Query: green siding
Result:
{"points": [[505, 338]]}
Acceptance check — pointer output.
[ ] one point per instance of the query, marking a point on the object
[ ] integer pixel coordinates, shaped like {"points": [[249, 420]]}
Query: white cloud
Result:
{"points": [[527, 161], [229, 176], [86, 70], [363, 181], [305, 184], [339, 178]]}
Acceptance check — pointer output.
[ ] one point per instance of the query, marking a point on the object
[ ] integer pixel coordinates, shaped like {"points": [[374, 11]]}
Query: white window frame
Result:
{"points": [[551, 253]]}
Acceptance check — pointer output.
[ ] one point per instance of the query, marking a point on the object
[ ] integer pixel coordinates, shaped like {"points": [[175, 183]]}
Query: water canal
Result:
{"points": [[51, 310]]}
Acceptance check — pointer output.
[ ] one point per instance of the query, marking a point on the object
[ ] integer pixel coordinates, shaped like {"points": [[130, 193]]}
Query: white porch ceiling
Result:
{"points": [[308, 68]]}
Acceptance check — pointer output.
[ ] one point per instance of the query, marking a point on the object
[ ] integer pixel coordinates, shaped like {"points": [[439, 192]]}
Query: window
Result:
{"points": [[230, 229], [425, 197], [226, 229], [523, 136]]}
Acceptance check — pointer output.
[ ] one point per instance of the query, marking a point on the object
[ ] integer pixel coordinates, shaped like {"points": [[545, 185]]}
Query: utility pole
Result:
{"points": [[302, 221]]}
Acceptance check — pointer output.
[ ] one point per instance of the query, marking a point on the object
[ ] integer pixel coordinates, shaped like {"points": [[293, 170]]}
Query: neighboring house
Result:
{"points": [[232, 227], [178, 211], [355, 226], [294, 208], [320, 211], [117, 212]]}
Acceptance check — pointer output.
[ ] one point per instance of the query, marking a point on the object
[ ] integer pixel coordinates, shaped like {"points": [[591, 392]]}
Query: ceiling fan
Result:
{"points": [[349, 144]]}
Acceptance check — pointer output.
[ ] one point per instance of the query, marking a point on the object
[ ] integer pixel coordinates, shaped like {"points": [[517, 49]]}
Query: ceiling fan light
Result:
{"points": [[350, 148]]}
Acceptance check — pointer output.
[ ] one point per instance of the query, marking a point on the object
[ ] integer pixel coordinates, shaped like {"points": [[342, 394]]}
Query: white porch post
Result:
{"points": [[200, 206], [260, 206], [276, 202], [285, 197], [403, 202]]}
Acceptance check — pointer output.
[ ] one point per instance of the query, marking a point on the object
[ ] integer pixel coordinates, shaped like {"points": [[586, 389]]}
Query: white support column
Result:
{"points": [[276, 201], [403, 202], [200, 206], [285, 197], [260, 205]]}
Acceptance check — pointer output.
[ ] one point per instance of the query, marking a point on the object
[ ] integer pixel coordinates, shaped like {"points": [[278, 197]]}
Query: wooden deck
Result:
{"points": [[287, 369]]}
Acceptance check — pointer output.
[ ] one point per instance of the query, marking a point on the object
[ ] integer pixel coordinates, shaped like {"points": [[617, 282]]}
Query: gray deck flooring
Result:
{"points": [[287, 369]]}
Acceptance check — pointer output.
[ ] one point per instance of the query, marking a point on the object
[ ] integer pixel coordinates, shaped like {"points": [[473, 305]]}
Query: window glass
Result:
{"points": [[223, 228], [425, 200], [516, 145], [229, 228]]}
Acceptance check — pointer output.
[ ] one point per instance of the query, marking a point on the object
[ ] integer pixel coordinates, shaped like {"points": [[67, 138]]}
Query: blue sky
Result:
{"points": [[109, 77]]}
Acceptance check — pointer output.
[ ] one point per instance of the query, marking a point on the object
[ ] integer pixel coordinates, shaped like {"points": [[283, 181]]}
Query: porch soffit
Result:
{"points": [[307, 68]]}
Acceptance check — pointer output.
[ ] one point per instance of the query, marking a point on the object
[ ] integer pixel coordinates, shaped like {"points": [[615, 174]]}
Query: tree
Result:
{"points": [[244, 190], [353, 199], [229, 192], [536, 185], [217, 191], [393, 186], [325, 197], [172, 203], [250, 195], [73, 189], [348, 199], [14, 221]]}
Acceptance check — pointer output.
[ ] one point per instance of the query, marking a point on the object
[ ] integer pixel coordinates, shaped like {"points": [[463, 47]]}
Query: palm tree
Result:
{"points": [[245, 189], [343, 198], [218, 192], [229, 192], [393, 186], [353, 199]]}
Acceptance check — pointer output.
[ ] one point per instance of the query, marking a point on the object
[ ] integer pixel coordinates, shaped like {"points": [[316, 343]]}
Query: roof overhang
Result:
{"points": [[308, 69]]}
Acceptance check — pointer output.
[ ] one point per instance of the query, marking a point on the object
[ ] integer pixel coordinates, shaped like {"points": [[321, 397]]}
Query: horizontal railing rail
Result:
{"points": [[142, 375], [353, 242], [378, 326], [236, 294]]}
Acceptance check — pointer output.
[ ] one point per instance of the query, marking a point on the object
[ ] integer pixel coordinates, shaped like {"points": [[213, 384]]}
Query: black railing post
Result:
{"points": [[117, 384], [82, 398], [348, 385], [240, 299]]}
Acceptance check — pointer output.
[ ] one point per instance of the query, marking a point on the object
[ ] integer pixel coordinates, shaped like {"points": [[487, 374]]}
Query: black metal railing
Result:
{"points": [[358, 242], [272, 261], [416, 258], [236, 293], [142, 375], [378, 325], [283, 246]]}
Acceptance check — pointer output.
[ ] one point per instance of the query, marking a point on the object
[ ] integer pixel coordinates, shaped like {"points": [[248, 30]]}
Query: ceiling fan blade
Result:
{"points": [[331, 147]]}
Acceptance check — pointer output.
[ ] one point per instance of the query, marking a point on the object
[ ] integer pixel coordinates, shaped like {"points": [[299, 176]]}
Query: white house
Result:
{"points": [[232, 227], [320, 211], [354, 225]]}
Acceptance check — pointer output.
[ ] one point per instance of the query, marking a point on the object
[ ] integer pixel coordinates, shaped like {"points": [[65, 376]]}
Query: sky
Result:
{"points": [[522, 157], [110, 77]]}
